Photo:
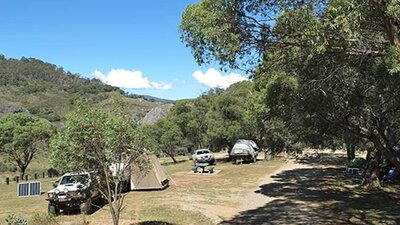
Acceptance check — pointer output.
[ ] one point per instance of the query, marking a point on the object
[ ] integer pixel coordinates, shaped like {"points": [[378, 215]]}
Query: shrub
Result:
{"points": [[7, 167], [43, 219], [52, 172], [358, 163], [15, 220], [3, 167]]}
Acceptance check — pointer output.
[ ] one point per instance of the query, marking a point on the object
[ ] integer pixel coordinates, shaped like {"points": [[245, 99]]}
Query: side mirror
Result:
{"points": [[55, 183]]}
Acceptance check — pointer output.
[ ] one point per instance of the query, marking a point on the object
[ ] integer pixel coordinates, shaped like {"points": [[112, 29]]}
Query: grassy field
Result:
{"points": [[314, 190], [191, 199]]}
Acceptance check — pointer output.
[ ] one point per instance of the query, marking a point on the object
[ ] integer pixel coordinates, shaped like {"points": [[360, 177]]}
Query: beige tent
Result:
{"points": [[154, 179]]}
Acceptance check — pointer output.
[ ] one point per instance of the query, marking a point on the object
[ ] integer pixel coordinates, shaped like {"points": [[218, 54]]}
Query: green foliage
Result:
{"points": [[216, 36], [33, 87], [393, 9], [45, 112], [237, 33], [44, 89], [43, 219], [15, 220], [214, 120], [22, 136], [163, 137], [91, 135], [358, 163], [275, 110], [189, 116], [3, 167], [393, 60], [33, 74], [228, 117], [95, 139], [323, 68], [7, 167]]}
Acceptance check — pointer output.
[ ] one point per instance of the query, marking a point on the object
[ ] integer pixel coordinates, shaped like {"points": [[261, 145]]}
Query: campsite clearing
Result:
{"points": [[313, 190], [189, 200]]}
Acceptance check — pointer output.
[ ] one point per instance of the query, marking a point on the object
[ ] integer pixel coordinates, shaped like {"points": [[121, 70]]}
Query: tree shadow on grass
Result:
{"points": [[96, 206], [153, 223], [174, 163], [324, 159], [322, 196]]}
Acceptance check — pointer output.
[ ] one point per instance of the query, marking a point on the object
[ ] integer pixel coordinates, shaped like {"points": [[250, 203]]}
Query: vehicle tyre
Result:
{"points": [[86, 207], [127, 186], [53, 209]]}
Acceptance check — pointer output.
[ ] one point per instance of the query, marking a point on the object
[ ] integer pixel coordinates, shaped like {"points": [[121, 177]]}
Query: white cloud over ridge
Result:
{"points": [[129, 79], [212, 78]]}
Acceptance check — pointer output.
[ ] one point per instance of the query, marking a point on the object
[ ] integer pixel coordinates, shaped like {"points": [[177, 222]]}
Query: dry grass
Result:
{"points": [[22, 206], [191, 199], [316, 194]]}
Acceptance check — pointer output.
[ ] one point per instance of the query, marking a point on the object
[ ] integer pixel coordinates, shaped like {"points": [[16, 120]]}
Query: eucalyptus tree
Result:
{"points": [[22, 136], [95, 139], [163, 137], [341, 58], [189, 116]]}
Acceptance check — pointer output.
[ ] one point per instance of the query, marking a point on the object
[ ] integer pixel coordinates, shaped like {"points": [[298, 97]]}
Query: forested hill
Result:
{"points": [[27, 70], [47, 90]]}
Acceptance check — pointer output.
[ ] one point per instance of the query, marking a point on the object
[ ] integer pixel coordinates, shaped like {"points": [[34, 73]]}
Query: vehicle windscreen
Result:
{"points": [[241, 146], [73, 179], [201, 152]]}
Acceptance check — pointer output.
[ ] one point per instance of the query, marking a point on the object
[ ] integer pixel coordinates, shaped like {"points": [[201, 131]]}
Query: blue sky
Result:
{"points": [[127, 43]]}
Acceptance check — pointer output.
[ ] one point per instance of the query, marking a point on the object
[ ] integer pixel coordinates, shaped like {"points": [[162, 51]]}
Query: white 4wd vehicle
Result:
{"points": [[74, 190], [203, 156]]}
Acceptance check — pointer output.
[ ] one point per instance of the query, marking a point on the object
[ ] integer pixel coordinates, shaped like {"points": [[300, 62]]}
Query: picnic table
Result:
{"points": [[203, 167]]}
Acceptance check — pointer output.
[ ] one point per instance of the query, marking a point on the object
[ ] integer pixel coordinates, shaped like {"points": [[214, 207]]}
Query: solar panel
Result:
{"points": [[29, 189]]}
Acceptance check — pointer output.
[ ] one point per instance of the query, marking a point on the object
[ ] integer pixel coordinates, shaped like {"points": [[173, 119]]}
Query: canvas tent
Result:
{"points": [[155, 178]]}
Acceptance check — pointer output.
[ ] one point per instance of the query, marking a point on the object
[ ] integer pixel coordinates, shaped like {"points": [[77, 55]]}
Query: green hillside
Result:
{"points": [[47, 90]]}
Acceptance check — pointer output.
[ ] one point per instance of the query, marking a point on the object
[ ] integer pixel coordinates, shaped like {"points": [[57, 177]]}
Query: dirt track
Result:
{"points": [[245, 199], [254, 199], [315, 190]]}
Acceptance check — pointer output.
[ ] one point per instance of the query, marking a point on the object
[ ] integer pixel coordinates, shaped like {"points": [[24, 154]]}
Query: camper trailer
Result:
{"points": [[244, 151]]}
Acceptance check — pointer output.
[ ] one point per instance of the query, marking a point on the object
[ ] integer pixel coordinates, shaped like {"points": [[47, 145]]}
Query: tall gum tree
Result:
{"points": [[95, 139], [344, 54], [22, 136]]}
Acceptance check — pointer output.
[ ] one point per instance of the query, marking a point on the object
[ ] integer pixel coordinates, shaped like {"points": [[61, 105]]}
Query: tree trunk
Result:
{"points": [[387, 151], [390, 23], [371, 176], [350, 145], [351, 152], [116, 210], [22, 172], [267, 155], [392, 156], [172, 157]]}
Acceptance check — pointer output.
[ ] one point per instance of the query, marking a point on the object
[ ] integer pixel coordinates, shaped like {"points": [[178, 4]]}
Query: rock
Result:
{"points": [[8, 107], [157, 113]]}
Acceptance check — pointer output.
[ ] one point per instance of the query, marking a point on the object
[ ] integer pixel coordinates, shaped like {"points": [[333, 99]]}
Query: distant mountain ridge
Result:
{"points": [[151, 98], [47, 90]]}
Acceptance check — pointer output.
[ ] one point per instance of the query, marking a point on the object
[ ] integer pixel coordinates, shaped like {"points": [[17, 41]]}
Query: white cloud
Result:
{"points": [[129, 79], [212, 78]]}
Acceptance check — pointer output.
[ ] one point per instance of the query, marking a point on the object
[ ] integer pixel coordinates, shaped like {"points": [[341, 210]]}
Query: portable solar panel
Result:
{"points": [[29, 189]]}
